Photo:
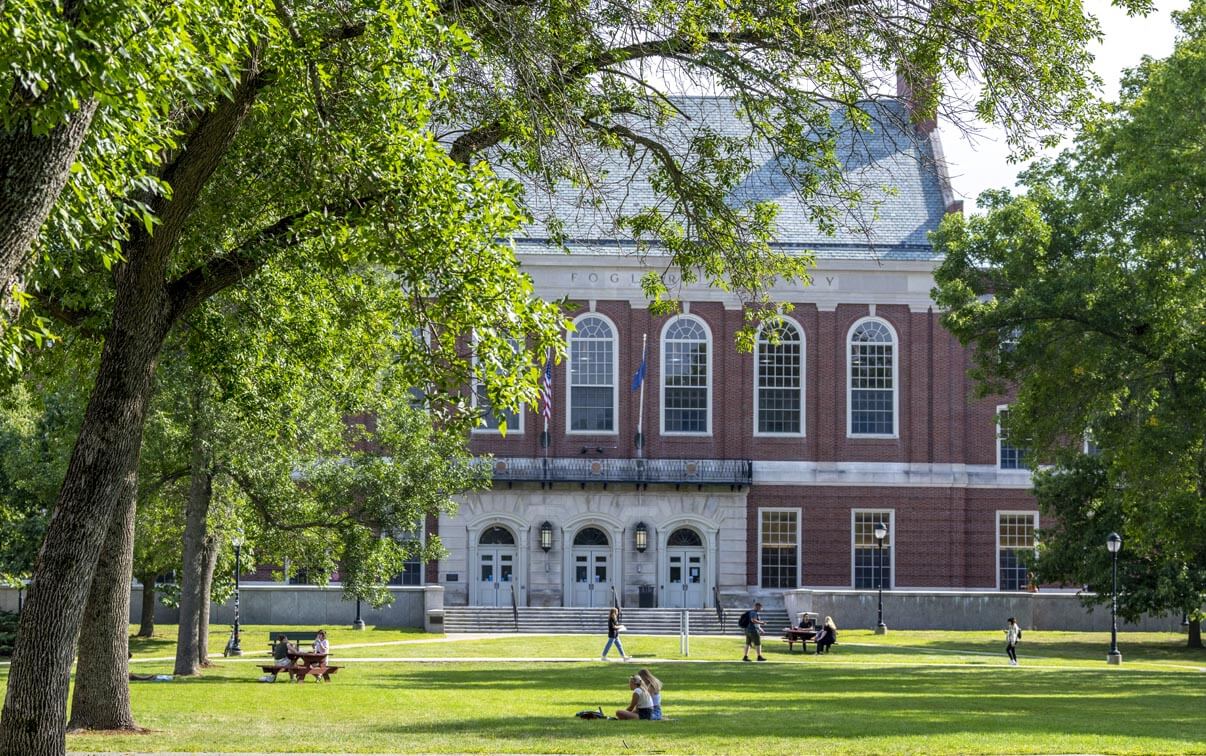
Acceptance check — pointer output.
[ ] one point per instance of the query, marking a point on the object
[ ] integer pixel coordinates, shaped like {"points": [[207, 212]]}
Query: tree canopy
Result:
{"points": [[1088, 292]]}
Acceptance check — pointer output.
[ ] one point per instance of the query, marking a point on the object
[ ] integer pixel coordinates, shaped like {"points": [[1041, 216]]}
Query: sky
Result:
{"points": [[981, 161]]}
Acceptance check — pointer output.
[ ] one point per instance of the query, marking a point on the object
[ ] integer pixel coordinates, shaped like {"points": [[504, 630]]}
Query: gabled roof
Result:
{"points": [[899, 171]]}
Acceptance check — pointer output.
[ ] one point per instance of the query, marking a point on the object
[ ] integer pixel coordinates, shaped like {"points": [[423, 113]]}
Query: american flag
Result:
{"points": [[546, 388]]}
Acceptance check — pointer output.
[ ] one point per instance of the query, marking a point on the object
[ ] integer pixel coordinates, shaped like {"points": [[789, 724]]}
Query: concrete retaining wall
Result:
{"points": [[417, 606], [964, 610]]}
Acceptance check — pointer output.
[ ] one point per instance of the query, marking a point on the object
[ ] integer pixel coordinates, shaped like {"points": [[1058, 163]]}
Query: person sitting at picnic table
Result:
{"points": [[320, 643], [281, 650], [826, 636], [641, 705]]}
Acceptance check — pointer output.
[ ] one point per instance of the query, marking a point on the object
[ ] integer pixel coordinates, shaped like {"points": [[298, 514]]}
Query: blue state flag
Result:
{"points": [[639, 376]]}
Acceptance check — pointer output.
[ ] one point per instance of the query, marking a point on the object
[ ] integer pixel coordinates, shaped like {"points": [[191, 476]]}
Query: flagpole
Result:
{"points": [[641, 402]]}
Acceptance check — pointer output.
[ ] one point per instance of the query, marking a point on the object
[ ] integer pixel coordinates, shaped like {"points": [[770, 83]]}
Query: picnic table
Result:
{"points": [[801, 635], [301, 663]]}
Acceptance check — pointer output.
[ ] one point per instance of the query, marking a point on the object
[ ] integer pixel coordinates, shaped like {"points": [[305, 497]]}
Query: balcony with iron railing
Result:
{"points": [[549, 471]]}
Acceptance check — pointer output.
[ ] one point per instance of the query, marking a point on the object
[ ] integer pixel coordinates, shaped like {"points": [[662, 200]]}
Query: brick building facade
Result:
{"points": [[761, 472]]}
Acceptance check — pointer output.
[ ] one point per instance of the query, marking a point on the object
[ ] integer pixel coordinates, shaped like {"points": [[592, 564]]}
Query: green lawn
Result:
{"points": [[928, 693]]}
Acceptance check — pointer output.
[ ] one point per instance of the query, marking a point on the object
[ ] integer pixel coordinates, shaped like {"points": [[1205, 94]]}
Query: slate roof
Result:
{"points": [[902, 177]]}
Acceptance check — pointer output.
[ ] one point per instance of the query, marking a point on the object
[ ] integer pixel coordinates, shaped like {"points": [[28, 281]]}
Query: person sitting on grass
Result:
{"points": [[641, 705], [826, 636], [654, 686]]}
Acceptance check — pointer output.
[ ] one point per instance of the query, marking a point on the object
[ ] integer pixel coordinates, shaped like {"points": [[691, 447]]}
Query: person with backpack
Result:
{"points": [[751, 622], [1013, 634]]}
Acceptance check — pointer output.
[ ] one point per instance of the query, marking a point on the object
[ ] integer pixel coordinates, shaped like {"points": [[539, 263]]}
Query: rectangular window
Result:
{"points": [[491, 420], [872, 567], [872, 386], [686, 387], [780, 375], [1015, 539], [1008, 457], [412, 569], [592, 386], [779, 531]]}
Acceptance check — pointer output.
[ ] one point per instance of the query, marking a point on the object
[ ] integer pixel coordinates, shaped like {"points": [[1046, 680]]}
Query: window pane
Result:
{"points": [[779, 550], [1012, 457], [779, 382], [1016, 535], [872, 382], [591, 376], [868, 562], [685, 379]]}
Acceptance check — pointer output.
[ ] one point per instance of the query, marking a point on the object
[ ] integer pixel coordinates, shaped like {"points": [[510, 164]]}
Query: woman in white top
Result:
{"points": [[320, 642], [654, 686], [641, 705]]}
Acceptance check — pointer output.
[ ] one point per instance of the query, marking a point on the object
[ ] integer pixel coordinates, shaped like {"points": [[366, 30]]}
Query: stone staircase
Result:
{"points": [[581, 621]]}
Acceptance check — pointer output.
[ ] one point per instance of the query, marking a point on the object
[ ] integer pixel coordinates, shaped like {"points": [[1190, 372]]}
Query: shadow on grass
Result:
{"points": [[1034, 645], [718, 701]]}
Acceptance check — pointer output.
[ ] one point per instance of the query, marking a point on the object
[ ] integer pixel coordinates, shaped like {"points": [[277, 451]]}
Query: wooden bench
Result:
{"points": [[298, 673], [291, 635]]}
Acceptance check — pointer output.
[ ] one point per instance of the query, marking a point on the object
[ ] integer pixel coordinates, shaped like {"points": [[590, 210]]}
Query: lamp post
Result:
{"points": [[881, 532], [357, 624], [1114, 544], [235, 648]]}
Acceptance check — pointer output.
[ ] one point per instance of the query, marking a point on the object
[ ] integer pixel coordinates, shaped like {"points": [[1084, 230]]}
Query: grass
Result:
{"points": [[923, 692]]}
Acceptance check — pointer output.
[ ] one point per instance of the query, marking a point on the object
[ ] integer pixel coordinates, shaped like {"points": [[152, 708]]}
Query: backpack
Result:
{"points": [[744, 620]]}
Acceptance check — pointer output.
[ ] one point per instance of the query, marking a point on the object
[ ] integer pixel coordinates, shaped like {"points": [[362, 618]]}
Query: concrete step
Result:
{"points": [[584, 621]]}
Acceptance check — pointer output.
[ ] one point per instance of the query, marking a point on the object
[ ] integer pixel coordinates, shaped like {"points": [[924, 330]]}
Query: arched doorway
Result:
{"points": [[591, 567], [496, 557], [685, 575]]}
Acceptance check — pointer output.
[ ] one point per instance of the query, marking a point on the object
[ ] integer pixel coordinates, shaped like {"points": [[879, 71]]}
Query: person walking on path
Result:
{"points": [[752, 622], [1013, 634], [613, 635]]}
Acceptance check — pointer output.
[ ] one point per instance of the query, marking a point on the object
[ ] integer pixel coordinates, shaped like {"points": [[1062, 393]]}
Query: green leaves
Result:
{"points": [[1098, 271]]}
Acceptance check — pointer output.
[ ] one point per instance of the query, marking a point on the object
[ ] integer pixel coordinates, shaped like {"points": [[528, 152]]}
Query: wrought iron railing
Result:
{"points": [[730, 472]]}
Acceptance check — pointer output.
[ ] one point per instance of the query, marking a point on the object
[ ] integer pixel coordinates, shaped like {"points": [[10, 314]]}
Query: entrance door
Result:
{"points": [[685, 570], [592, 568], [495, 567]]}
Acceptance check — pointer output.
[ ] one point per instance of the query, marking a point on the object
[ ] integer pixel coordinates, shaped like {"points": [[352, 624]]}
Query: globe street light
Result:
{"points": [[881, 532], [1114, 544], [235, 648]]}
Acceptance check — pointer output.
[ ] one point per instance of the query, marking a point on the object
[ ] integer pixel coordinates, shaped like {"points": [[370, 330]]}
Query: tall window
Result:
{"points": [[592, 383], [869, 564], [685, 377], [1009, 457], [780, 381], [492, 420], [872, 398], [1015, 539], [779, 535], [412, 569]]}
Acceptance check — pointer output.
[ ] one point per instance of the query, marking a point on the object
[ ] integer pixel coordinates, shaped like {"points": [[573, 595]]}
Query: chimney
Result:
{"points": [[914, 98]]}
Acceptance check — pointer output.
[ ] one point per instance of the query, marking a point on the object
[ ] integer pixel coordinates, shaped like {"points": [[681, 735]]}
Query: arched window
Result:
{"points": [[496, 536], [684, 537], [871, 397], [590, 537], [779, 381], [686, 378], [592, 370]]}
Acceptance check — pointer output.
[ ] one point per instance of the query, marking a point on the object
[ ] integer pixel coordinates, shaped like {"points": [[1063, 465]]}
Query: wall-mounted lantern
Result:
{"points": [[642, 537], [546, 535]]}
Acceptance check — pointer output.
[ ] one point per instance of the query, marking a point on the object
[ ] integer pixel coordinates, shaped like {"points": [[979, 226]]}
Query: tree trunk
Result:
{"points": [[103, 465], [101, 700], [1195, 632], [146, 627], [35, 170], [207, 582], [200, 491]]}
